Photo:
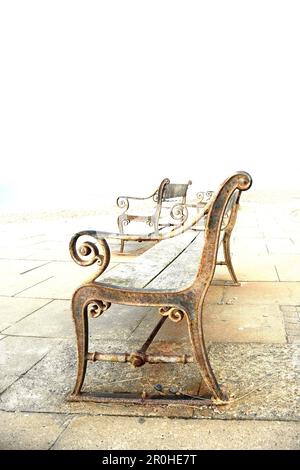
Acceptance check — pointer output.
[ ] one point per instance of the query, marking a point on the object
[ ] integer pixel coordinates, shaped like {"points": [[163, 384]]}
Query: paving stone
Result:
{"points": [[287, 266], [46, 387], [260, 293], [250, 268], [107, 433], [13, 309], [55, 320], [175, 332], [18, 355], [262, 377], [15, 266], [242, 246], [29, 431], [247, 232], [242, 324], [281, 245], [12, 284], [61, 280]]}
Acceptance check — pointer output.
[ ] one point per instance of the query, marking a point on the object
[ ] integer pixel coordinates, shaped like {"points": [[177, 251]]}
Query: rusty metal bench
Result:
{"points": [[168, 197], [184, 300]]}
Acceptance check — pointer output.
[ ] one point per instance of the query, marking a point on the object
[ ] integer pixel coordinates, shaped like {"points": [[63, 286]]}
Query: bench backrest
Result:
{"points": [[174, 193], [221, 216]]}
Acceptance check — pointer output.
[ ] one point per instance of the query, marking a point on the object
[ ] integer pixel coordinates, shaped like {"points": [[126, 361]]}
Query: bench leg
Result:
{"points": [[81, 327], [227, 256], [201, 357], [121, 230]]}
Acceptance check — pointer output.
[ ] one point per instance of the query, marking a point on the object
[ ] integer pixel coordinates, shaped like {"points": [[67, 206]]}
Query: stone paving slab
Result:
{"points": [[281, 245], [247, 232], [12, 284], [24, 431], [224, 323], [291, 315], [264, 380], [46, 387], [105, 432], [55, 321], [287, 266], [260, 293], [244, 324], [61, 280], [250, 268], [15, 266], [241, 246], [13, 309], [18, 355]]}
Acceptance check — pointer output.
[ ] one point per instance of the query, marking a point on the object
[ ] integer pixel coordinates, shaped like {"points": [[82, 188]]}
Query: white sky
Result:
{"points": [[112, 96]]}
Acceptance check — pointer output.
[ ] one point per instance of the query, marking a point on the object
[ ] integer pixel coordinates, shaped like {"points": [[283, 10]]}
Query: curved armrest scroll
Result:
{"points": [[86, 252]]}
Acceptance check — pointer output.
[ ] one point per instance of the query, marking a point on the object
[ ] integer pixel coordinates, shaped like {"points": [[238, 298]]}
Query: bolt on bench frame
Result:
{"points": [[94, 297]]}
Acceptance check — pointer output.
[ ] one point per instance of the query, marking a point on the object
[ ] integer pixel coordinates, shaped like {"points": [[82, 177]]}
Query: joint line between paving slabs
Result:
{"points": [[65, 425], [23, 318], [277, 272], [36, 267], [24, 373], [40, 282]]}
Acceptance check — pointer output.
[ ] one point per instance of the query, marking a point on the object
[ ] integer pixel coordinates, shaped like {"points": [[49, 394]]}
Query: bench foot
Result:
{"points": [[132, 399]]}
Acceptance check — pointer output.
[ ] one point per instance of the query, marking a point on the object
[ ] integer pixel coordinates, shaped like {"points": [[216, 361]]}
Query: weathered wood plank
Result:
{"points": [[150, 264], [182, 271]]}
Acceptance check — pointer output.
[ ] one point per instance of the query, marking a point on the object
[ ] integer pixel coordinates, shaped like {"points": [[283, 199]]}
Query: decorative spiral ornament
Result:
{"points": [[204, 196], [125, 222], [155, 196], [149, 222], [245, 181], [174, 313], [123, 203], [179, 212], [96, 307], [88, 252], [200, 196]]}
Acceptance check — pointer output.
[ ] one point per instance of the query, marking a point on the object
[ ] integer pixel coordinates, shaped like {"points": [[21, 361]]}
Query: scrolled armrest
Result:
{"points": [[86, 252], [123, 202]]}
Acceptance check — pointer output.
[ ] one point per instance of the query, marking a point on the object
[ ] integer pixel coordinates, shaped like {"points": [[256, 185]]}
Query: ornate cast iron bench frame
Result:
{"points": [[166, 192], [94, 297]]}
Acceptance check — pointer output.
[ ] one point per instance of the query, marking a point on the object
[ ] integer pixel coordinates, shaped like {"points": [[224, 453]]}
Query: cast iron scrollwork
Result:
{"points": [[174, 313], [96, 307], [179, 212], [88, 252], [204, 196], [123, 202]]}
